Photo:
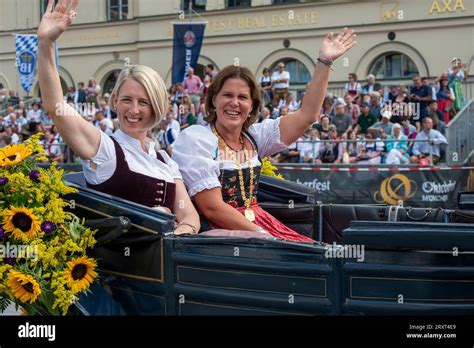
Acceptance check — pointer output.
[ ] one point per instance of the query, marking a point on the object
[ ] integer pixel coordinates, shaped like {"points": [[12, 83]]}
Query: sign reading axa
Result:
{"points": [[443, 6]]}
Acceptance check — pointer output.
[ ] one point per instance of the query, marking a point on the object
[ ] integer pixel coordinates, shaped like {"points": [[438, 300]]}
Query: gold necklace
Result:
{"points": [[249, 213]]}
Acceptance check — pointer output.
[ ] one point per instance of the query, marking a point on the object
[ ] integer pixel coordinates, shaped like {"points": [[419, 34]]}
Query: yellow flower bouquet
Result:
{"points": [[269, 169], [43, 261]]}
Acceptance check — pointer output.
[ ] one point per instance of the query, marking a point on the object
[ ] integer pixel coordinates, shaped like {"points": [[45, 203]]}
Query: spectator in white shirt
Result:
{"points": [[310, 150], [15, 139], [9, 120], [99, 117], [21, 121], [104, 127], [422, 149], [280, 83], [290, 103], [264, 114], [200, 116], [172, 132], [352, 87]]}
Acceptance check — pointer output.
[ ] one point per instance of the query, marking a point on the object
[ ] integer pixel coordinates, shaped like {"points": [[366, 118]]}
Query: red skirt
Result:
{"points": [[444, 105], [273, 226]]}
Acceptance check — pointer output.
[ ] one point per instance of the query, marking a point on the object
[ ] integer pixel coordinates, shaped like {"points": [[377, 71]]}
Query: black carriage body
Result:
{"points": [[407, 267]]}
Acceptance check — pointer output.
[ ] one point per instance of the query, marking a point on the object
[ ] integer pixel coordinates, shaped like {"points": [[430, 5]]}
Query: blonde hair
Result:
{"points": [[153, 84]]}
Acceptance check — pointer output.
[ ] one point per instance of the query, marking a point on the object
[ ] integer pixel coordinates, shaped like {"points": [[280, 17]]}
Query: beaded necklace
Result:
{"points": [[249, 213]]}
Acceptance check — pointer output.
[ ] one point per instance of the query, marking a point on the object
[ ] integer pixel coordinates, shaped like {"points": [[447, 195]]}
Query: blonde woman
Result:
{"points": [[125, 164], [186, 101]]}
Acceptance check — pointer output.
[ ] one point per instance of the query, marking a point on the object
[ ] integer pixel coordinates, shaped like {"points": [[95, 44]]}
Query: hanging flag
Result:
{"points": [[187, 42], [26, 51]]}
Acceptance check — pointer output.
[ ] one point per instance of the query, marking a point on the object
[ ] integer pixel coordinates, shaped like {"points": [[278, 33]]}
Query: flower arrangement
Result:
{"points": [[269, 169], [43, 261]]}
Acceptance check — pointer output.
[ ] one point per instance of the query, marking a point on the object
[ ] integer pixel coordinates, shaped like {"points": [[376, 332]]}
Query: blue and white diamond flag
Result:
{"points": [[26, 52]]}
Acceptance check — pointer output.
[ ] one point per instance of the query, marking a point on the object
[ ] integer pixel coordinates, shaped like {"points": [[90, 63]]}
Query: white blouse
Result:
{"points": [[138, 161], [197, 154]]}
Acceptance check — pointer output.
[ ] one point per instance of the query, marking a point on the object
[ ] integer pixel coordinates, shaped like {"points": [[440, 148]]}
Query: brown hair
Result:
{"points": [[232, 72], [353, 75]]}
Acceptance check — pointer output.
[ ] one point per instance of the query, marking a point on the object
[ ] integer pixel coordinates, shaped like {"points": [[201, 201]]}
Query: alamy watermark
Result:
{"points": [[84, 109], [402, 109], [337, 251], [241, 156], [37, 331], [12, 251]]}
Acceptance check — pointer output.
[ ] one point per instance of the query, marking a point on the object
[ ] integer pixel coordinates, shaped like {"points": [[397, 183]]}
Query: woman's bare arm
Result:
{"points": [[80, 135], [184, 210], [211, 204], [296, 123]]}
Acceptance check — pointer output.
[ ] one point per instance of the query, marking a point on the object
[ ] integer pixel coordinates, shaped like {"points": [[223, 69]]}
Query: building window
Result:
{"points": [[198, 5], [44, 6], [284, 1], [238, 3], [299, 74], [393, 65], [117, 10], [110, 81]]}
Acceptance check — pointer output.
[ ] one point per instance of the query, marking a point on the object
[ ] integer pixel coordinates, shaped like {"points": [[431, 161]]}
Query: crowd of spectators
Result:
{"points": [[381, 121], [371, 123]]}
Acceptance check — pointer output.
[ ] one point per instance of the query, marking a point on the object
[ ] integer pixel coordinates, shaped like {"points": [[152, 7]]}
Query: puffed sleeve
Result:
{"points": [[267, 136], [174, 168], [195, 151], [104, 162]]}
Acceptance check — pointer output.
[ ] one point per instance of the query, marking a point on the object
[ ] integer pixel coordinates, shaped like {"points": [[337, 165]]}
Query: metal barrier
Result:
{"points": [[26, 101], [337, 88], [314, 142], [460, 136], [68, 155]]}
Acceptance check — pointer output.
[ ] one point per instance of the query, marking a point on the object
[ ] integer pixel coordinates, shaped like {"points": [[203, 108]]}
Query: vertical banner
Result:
{"points": [[26, 47], [187, 41]]}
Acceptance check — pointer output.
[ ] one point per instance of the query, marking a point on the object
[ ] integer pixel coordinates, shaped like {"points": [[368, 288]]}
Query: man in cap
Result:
{"points": [[384, 127]]}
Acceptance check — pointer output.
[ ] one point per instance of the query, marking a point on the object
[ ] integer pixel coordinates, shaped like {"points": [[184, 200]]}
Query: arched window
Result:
{"points": [[299, 74], [110, 81], [393, 65]]}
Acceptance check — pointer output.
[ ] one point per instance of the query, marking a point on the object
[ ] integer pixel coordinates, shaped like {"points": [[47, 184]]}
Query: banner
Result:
{"points": [[26, 47], [434, 188], [187, 42]]}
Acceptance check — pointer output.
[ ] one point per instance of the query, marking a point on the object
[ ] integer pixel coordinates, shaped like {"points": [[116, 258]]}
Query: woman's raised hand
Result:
{"points": [[332, 48], [54, 23]]}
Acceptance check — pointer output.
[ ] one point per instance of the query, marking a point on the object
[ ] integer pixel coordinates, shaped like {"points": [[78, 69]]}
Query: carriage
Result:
{"points": [[375, 259]]}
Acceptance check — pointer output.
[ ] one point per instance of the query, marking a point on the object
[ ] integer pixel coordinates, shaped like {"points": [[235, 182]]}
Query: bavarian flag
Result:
{"points": [[26, 47]]}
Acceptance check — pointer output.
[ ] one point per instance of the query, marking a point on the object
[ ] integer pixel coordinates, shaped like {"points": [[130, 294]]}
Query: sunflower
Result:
{"points": [[80, 273], [13, 154], [21, 222], [24, 287]]}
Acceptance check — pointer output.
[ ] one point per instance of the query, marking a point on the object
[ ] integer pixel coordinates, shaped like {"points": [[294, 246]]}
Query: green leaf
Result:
{"points": [[47, 298], [4, 303]]}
